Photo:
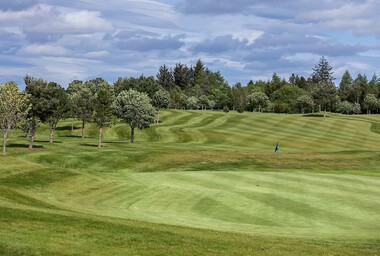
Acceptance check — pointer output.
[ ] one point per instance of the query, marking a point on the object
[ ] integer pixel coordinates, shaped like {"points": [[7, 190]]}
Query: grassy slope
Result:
{"points": [[198, 169]]}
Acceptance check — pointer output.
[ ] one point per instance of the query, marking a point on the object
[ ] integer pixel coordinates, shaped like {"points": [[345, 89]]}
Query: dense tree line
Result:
{"points": [[138, 101]]}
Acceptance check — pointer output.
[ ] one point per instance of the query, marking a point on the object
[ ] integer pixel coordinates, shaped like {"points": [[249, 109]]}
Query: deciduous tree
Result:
{"points": [[103, 110], [258, 100], [14, 107], [135, 109], [161, 99]]}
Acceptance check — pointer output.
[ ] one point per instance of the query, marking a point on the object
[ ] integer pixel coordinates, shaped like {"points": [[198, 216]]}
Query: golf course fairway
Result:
{"points": [[197, 183]]}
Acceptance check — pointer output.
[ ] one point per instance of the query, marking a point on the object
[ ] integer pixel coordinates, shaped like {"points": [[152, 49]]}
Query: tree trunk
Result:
{"points": [[32, 137], [5, 142], [100, 138], [132, 135], [325, 114], [51, 140], [72, 124], [83, 126], [158, 116]]}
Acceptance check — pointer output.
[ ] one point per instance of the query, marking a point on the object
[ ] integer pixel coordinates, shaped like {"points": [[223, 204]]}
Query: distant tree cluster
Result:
{"points": [[138, 101]]}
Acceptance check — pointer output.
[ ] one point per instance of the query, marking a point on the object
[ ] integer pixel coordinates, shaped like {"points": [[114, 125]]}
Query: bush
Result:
{"points": [[240, 109], [226, 109]]}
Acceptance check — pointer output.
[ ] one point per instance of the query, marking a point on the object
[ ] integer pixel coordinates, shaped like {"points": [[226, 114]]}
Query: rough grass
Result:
{"points": [[198, 183]]}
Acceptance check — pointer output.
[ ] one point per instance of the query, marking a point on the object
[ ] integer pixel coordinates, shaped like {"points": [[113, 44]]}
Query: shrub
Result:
{"points": [[226, 109], [240, 109]]}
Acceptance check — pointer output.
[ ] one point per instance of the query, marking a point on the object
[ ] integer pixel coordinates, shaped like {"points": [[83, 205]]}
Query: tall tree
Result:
{"points": [[345, 90], [14, 107], [37, 89], [135, 109], [165, 77], [58, 106], [324, 95], [82, 105], [161, 99], [73, 87], [322, 72], [182, 75], [103, 110], [274, 84], [360, 88], [375, 85]]}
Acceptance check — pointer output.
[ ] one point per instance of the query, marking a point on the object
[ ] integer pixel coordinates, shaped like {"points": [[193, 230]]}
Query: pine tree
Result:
{"points": [[165, 77], [345, 86], [322, 72]]}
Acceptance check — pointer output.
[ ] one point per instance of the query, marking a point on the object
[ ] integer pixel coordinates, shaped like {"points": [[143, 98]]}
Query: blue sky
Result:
{"points": [[62, 40]]}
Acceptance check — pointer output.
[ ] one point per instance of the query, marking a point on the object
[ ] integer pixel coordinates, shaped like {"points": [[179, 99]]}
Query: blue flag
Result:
{"points": [[276, 148]]}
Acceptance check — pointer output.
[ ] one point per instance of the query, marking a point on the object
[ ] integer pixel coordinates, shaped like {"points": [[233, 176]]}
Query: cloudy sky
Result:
{"points": [[62, 40]]}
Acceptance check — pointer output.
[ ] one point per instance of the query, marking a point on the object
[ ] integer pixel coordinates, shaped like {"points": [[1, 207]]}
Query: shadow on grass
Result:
{"points": [[20, 145], [46, 141], [313, 115], [70, 136], [90, 145], [67, 128], [117, 142]]}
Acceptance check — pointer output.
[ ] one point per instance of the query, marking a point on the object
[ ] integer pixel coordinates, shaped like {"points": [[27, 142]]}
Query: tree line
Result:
{"points": [[137, 101]]}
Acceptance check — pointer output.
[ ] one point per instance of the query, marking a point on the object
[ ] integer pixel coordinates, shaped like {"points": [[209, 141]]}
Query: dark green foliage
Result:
{"points": [[143, 84], [273, 85], [59, 105], [288, 94], [82, 105], [345, 90], [37, 89], [165, 78], [324, 95], [226, 109], [322, 72], [182, 76], [360, 88], [240, 109], [103, 109]]}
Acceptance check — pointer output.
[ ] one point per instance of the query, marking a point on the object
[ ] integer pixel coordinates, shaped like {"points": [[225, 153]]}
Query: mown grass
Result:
{"points": [[198, 183]]}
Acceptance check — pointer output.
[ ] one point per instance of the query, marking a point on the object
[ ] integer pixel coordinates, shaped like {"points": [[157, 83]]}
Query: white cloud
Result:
{"points": [[43, 50], [96, 54]]}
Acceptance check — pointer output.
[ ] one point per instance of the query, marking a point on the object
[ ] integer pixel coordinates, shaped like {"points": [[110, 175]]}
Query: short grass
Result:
{"points": [[198, 183]]}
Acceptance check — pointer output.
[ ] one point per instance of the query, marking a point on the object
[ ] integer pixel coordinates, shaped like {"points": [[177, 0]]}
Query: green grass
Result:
{"points": [[199, 183]]}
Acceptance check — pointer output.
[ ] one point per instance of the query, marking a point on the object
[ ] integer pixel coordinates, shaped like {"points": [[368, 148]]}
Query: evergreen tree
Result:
{"points": [[324, 95], [182, 76], [322, 72], [345, 90], [165, 78], [360, 88]]}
